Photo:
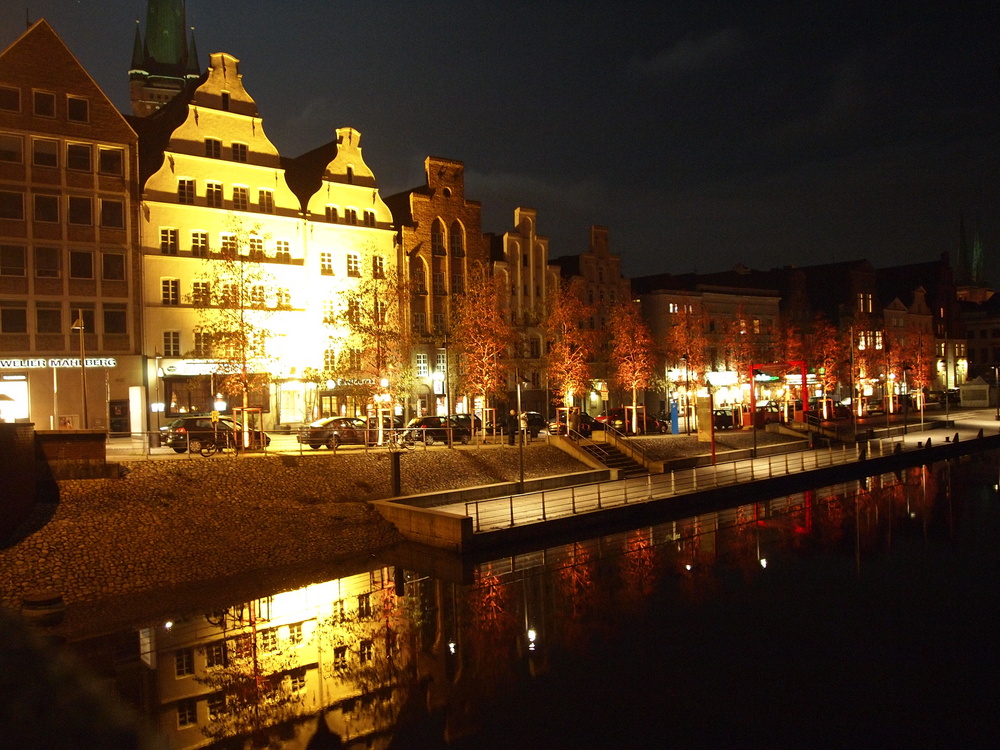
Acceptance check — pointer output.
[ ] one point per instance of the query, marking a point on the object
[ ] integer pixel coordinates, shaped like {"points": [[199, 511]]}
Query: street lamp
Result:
{"points": [[687, 390], [996, 383], [79, 326], [906, 399]]}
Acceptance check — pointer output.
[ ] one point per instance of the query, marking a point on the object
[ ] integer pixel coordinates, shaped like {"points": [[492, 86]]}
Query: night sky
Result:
{"points": [[703, 134]]}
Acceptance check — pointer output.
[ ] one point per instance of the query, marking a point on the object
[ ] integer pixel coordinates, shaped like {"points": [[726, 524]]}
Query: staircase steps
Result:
{"points": [[615, 459]]}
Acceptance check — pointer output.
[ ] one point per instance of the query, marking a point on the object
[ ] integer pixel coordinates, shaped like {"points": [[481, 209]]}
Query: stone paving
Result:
{"points": [[170, 523]]}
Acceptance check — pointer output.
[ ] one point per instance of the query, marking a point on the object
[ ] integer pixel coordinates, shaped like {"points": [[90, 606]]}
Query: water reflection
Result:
{"points": [[387, 655]]}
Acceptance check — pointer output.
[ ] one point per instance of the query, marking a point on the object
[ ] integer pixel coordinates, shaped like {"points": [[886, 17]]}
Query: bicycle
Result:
{"points": [[219, 443]]}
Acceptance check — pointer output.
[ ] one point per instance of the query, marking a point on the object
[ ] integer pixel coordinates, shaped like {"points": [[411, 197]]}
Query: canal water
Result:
{"points": [[864, 614]]}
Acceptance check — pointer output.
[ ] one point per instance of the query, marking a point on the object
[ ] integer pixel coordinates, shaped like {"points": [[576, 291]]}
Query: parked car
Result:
{"points": [[585, 426], [334, 431], [722, 419], [537, 424], [188, 432], [434, 429], [834, 409], [621, 419]]}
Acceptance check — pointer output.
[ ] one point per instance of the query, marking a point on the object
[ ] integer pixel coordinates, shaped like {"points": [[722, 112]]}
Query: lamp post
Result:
{"points": [[906, 400], [79, 326], [687, 389], [996, 382]]}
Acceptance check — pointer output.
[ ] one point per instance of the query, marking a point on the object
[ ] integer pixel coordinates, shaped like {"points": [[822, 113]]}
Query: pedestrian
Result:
{"points": [[524, 427], [511, 426]]}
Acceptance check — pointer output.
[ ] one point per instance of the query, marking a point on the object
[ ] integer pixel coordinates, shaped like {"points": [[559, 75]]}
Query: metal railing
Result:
{"points": [[517, 510]]}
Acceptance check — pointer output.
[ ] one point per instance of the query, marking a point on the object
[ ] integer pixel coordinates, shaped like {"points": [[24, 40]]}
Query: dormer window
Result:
{"points": [[240, 152], [350, 175]]}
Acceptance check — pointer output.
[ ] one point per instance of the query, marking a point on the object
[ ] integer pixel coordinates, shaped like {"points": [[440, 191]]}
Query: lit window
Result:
{"points": [[168, 241], [422, 370], [241, 199], [78, 157], [353, 265], [331, 213], [77, 109], [239, 152], [185, 192], [326, 263], [170, 291], [265, 201], [378, 266], [213, 148], [441, 362]]}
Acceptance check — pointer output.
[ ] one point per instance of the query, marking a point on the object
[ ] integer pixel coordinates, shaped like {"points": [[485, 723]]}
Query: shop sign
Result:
{"points": [[66, 362]]}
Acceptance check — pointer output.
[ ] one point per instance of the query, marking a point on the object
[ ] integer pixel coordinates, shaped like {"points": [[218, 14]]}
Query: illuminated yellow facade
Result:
{"points": [[221, 180]]}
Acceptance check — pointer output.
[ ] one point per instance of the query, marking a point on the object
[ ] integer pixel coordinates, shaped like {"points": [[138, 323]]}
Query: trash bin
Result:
{"points": [[154, 439]]}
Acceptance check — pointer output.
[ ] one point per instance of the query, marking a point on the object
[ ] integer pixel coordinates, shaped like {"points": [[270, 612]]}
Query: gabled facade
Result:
{"points": [[68, 185], [440, 237], [521, 260]]}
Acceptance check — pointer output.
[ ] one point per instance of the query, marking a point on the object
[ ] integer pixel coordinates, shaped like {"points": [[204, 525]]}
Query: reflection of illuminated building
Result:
{"points": [[270, 667]]}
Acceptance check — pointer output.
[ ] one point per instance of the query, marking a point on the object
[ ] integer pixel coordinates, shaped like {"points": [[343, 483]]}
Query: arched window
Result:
{"points": [[437, 238], [457, 240]]}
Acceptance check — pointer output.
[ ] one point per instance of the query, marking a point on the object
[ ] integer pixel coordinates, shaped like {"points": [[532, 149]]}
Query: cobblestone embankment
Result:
{"points": [[170, 523]]}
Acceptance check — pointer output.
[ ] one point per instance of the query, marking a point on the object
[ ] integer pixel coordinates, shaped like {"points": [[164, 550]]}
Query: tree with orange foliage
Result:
{"points": [[631, 351], [685, 342], [825, 351], [481, 333], [572, 346]]}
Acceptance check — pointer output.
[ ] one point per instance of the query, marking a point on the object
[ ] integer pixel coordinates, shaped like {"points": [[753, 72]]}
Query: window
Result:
{"points": [[350, 175], [353, 310], [77, 109], [44, 152], [171, 343], [364, 606], [10, 99], [257, 295], [46, 207], [13, 260], [864, 302], [269, 639], [47, 263], [439, 321], [201, 293], [213, 148], [187, 712], [239, 152], [111, 161], [81, 264], [366, 651], [326, 263], [199, 244], [340, 658], [457, 283], [225, 101], [535, 348], [228, 244], [79, 157], [185, 192], [265, 201], [351, 216], [255, 247], [11, 148], [441, 362], [420, 280], [48, 318], [295, 633], [170, 291], [241, 199], [115, 319], [11, 205], [13, 317], [378, 266], [457, 241], [420, 325], [112, 214], [283, 252], [113, 266], [44, 103], [422, 370], [81, 211], [213, 194], [438, 279], [168, 241], [202, 344], [216, 705], [331, 213], [437, 239], [369, 218], [353, 265], [297, 679]]}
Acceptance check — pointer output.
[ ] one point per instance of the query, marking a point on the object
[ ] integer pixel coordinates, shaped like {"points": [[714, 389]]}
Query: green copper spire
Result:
{"points": [[165, 42], [193, 67], [138, 57]]}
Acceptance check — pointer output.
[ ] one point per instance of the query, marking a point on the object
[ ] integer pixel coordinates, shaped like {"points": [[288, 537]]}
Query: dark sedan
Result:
{"points": [[334, 431], [431, 429]]}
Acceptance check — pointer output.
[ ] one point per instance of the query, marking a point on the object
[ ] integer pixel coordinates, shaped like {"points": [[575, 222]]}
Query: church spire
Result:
{"points": [[162, 65], [193, 66]]}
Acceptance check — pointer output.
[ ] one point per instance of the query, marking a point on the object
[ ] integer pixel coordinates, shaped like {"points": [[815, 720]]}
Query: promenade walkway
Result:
{"points": [[495, 514]]}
